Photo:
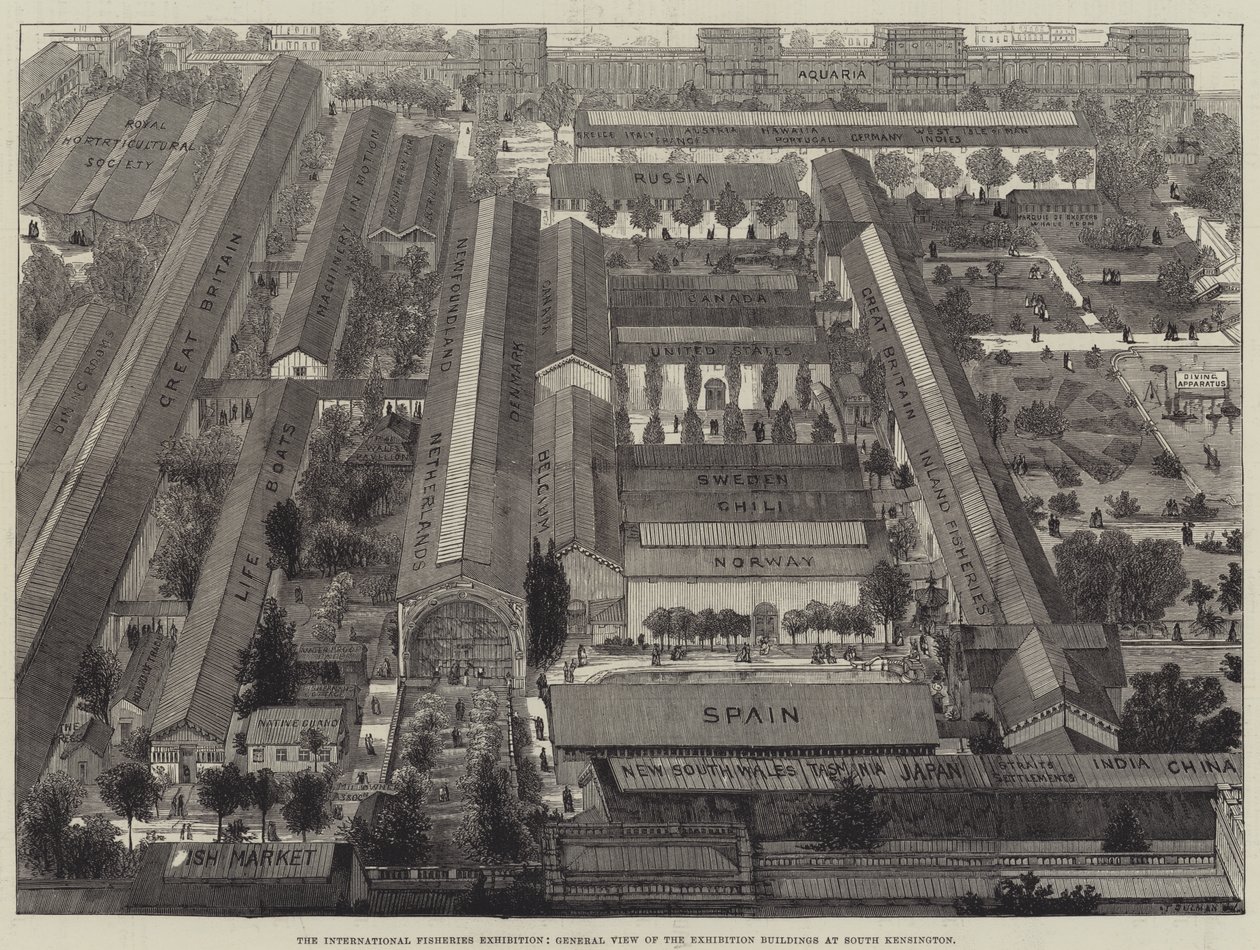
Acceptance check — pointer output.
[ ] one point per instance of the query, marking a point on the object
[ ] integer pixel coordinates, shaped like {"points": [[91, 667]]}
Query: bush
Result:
{"points": [[276, 241], [1115, 234], [1102, 472], [1074, 273], [560, 154], [1003, 357], [1065, 476], [725, 265], [1124, 506], [1094, 358], [1111, 320], [1033, 508], [617, 259], [942, 275], [1065, 503], [1016, 324], [973, 274], [1167, 465], [1040, 418], [1196, 508], [1047, 354]]}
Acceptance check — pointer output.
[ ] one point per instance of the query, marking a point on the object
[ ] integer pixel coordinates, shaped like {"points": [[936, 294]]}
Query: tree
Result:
{"points": [[224, 82], [1231, 667], [257, 38], [32, 140], [942, 275], [771, 209], [400, 834], [313, 741], [903, 538], [264, 791], [1230, 591], [804, 384], [556, 106], [940, 170], [1035, 167], [43, 822], [625, 434], [973, 100], [654, 432], [690, 211], [308, 810], [137, 746], [795, 622], [824, 430], [1016, 97], [598, 211], [653, 382], [1124, 834], [1074, 164], [769, 381], [546, 605], [223, 791], [1199, 596], [1174, 280], [885, 592], [993, 411], [692, 427], [267, 671], [45, 293], [806, 212], [995, 269], [894, 170], [283, 529], [187, 517], [638, 241], [120, 272], [783, 431], [733, 430], [1168, 714], [1028, 897], [294, 209], [880, 463], [131, 791], [989, 741], [1108, 578], [144, 78], [95, 680], [989, 167], [729, 210], [848, 820]]}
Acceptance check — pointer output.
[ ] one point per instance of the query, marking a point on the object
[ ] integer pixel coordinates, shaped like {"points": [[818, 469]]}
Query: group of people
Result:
{"points": [[268, 282], [822, 654], [1038, 304], [759, 430], [1096, 518], [1110, 275], [1173, 192], [743, 654], [79, 237], [1172, 335], [570, 671], [135, 633], [1053, 525], [1034, 272], [1019, 465], [32, 230], [1013, 250], [177, 807]]}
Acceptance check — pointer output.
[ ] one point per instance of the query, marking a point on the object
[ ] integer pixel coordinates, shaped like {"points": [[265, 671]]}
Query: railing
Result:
{"points": [[980, 860], [495, 875], [395, 723]]}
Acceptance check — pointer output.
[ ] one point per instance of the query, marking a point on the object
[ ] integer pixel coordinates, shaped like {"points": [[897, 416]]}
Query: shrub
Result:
{"points": [[617, 259], [1047, 354], [725, 265], [1111, 320], [1157, 324], [1016, 324], [1115, 234], [973, 274], [1065, 503], [1040, 418], [660, 263], [276, 241], [942, 275], [1033, 508], [1124, 506], [1074, 273], [560, 154], [1102, 472], [1065, 476], [1196, 508], [1003, 357], [1094, 358], [1167, 465]]}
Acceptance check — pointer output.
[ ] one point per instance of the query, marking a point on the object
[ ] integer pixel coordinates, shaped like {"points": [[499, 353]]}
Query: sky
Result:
{"points": [[1215, 50]]}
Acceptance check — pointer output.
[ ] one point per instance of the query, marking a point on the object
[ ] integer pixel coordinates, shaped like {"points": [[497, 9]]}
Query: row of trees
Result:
{"points": [[684, 625], [198, 472], [839, 618], [405, 89], [496, 825]]}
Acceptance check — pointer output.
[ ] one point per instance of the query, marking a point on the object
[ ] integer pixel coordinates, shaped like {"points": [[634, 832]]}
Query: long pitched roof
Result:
{"points": [[284, 725], [201, 684], [575, 464], [108, 479], [752, 181], [572, 296], [415, 192], [146, 668], [996, 563], [476, 436], [749, 715], [43, 66], [56, 393], [828, 129], [313, 316], [126, 161], [750, 300]]}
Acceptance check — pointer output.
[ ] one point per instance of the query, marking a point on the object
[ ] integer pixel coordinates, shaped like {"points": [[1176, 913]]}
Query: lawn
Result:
{"points": [[1006, 300]]}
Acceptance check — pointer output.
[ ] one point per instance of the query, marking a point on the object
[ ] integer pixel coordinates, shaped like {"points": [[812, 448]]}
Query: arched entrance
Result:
{"points": [[460, 631], [714, 395], [766, 623]]}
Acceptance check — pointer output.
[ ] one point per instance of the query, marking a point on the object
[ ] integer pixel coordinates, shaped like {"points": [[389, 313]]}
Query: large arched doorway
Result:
{"points": [[463, 632], [766, 623], [714, 395]]}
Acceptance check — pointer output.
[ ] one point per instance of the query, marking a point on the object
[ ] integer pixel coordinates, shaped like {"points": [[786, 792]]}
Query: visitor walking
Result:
{"points": [[539, 729]]}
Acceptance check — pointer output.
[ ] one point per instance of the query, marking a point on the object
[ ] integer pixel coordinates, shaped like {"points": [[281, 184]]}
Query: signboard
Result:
{"points": [[351, 792], [1199, 380], [250, 861]]}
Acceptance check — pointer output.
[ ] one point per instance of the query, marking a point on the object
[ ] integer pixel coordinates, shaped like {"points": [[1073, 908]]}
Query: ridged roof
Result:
{"points": [[313, 316], [572, 296], [618, 180], [415, 191], [43, 66]]}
